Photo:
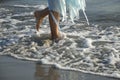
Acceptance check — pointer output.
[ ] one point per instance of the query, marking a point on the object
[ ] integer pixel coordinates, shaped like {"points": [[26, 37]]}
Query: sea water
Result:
{"points": [[93, 48]]}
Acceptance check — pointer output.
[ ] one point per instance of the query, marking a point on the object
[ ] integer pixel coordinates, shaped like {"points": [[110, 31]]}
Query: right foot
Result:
{"points": [[59, 36]]}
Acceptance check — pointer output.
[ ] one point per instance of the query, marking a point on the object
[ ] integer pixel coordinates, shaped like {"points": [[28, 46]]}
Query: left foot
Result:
{"points": [[39, 19]]}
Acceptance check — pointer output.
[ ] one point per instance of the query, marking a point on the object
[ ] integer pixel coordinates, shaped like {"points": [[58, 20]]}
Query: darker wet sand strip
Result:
{"points": [[14, 69]]}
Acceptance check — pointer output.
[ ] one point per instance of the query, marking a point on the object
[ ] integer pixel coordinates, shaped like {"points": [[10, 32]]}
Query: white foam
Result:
{"points": [[71, 52], [2, 20], [14, 21], [3, 9], [23, 14], [31, 6], [88, 43]]}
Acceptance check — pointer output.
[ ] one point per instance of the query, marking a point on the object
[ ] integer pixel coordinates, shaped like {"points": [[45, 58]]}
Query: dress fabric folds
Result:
{"points": [[69, 8]]}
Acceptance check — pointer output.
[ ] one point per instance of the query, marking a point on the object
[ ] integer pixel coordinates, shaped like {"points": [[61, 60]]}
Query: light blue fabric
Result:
{"points": [[71, 7], [58, 6]]}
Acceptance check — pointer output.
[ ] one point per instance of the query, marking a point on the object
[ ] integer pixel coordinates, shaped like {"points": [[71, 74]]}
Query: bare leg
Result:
{"points": [[39, 15], [55, 34]]}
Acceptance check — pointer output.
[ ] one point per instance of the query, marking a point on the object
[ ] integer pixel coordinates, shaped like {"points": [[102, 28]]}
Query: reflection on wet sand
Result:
{"points": [[45, 72], [50, 72]]}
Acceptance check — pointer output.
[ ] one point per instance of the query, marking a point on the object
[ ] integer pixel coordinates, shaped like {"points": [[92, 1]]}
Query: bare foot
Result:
{"points": [[59, 37], [39, 19]]}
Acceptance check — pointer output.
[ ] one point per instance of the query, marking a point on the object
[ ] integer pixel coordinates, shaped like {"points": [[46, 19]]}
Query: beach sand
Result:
{"points": [[14, 69]]}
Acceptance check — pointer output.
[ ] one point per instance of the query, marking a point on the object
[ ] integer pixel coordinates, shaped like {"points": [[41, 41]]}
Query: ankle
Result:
{"points": [[37, 15]]}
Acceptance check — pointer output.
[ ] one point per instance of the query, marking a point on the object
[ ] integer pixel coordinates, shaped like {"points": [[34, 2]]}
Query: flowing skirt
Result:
{"points": [[72, 7]]}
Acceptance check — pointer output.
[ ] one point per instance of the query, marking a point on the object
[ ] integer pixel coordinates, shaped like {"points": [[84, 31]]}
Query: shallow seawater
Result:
{"points": [[93, 48]]}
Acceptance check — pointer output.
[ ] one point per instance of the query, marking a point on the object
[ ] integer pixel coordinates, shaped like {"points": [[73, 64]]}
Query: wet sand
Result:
{"points": [[14, 69]]}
